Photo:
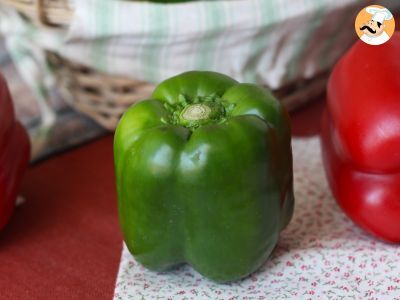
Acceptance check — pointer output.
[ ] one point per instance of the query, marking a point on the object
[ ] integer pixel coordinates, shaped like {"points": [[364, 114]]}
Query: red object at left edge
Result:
{"points": [[14, 154]]}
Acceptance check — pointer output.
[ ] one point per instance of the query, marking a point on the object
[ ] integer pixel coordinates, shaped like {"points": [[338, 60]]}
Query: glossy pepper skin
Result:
{"points": [[14, 154], [204, 175], [361, 137]]}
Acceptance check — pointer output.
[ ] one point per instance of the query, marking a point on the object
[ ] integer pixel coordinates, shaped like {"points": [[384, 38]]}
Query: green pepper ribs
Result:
{"points": [[204, 175]]}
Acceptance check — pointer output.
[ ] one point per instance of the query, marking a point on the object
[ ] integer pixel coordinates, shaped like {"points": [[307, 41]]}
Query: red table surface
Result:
{"points": [[65, 242]]}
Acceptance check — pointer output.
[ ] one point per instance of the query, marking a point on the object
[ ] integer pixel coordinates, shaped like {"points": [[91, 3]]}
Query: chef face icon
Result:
{"points": [[375, 25], [373, 28]]}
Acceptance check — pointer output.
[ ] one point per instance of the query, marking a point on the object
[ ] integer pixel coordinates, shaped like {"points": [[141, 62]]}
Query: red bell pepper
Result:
{"points": [[14, 154], [361, 136]]}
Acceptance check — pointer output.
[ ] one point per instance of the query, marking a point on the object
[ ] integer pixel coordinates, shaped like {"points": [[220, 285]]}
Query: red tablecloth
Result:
{"points": [[65, 241]]}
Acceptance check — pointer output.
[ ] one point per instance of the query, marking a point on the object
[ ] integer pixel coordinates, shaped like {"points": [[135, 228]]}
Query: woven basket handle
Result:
{"points": [[40, 12]]}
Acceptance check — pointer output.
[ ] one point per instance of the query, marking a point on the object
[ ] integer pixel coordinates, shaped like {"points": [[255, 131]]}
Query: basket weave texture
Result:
{"points": [[101, 96], [44, 12]]}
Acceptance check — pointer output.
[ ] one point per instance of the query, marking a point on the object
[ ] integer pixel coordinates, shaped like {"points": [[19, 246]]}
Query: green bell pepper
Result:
{"points": [[204, 175]]}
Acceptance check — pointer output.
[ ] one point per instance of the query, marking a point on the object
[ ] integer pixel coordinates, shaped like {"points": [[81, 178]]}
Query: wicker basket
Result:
{"points": [[44, 12], [101, 96], [105, 97]]}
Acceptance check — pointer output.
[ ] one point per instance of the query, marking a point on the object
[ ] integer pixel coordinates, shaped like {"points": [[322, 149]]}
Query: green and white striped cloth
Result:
{"points": [[266, 42]]}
